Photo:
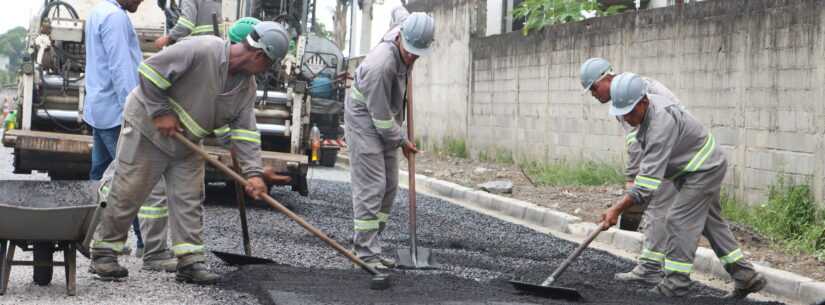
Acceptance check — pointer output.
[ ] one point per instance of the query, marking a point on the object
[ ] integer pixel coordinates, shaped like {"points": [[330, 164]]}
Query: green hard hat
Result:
{"points": [[241, 28]]}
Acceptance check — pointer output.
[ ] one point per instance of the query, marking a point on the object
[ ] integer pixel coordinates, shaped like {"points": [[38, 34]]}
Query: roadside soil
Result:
{"points": [[587, 202]]}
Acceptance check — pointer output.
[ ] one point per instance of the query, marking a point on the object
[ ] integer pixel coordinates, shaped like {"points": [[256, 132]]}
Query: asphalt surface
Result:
{"points": [[478, 254]]}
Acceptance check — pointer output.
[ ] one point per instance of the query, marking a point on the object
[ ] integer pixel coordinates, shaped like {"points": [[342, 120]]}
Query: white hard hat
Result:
{"points": [[626, 90], [592, 70], [417, 34], [271, 37]]}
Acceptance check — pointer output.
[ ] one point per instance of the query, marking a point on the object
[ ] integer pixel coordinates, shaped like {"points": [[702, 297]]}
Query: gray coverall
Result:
{"points": [[195, 18], [654, 229], [189, 79], [152, 215], [675, 146], [374, 116]]}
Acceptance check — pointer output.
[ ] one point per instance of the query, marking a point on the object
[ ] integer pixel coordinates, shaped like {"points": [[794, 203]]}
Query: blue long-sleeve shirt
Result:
{"points": [[112, 59]]}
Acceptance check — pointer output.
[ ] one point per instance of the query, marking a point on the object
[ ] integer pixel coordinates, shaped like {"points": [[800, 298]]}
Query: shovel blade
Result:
{"points": [[233, 259], [423, 259], [547, 291]]}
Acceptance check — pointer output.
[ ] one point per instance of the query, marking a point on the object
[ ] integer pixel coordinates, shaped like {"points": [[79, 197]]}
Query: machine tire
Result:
{"points": [[43, 254]]}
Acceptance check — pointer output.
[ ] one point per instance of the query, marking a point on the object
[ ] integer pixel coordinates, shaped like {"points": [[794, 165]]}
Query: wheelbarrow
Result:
{"points": [[44, 217]]}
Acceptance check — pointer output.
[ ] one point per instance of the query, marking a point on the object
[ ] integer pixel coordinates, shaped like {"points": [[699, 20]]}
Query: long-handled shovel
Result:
{"points": [[247, 258], [413, 257], [379, 280], [554, 292]]}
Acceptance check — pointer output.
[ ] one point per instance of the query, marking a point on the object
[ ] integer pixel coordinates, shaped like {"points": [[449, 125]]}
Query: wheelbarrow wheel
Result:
{"points": [[43, 263]]}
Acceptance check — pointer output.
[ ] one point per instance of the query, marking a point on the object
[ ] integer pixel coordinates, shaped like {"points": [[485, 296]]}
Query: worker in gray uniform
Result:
{"points": [[195, 19], [374, 114], [153, 216], [676, 147], [596, 77], [196, 85]]}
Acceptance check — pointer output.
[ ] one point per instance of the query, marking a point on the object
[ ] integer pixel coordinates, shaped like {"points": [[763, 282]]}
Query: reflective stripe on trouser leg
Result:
{"points": [[655, 230], [368, 179], [154, 223], [686, 221], [185, 192], [140, 165]]}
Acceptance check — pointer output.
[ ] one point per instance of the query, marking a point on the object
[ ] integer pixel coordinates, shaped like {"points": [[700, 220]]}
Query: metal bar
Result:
{"points": [[60, 115], [32, 263], [239, 196], [28, 90], [3, 245], [69, 256], [278, 206]]}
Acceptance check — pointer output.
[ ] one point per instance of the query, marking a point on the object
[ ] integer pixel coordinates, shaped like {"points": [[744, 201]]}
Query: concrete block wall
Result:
{"points": [[751, 70]]}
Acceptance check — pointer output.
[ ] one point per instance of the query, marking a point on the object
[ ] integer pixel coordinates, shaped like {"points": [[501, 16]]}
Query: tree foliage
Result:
{"points": [[540, 13], [13, 47]]}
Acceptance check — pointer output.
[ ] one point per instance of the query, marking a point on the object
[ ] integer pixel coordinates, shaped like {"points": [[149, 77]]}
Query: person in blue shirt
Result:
{"points": [[112, 58]]}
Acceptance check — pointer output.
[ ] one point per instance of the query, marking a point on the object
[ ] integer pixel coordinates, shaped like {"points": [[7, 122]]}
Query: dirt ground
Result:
{"points": [[589, 202]]}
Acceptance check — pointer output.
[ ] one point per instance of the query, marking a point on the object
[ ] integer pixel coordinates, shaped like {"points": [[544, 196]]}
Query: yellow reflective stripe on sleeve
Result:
{"points": [[153, 212], [154, 76], [245, 135], [357, 95], [648, 183], [383, 217], [630, 138], [732, 257], [203, 29], [678, 266], [186, 23], [187, 120], [652, 256], [114, 246], [383, 124], [699, 158], [186, 248], [366, 225], [220, 132]]}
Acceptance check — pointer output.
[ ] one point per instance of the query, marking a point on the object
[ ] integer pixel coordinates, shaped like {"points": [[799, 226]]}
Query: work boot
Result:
{"points": [[125, 251], [662, 291], [161, 264], [379, 263], [755, 284], [139, 252], [107, 268], [390, 263], [196, 274], [640, 275]]}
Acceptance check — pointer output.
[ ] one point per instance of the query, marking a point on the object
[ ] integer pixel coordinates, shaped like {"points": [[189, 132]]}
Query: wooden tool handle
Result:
{"points": [[549, 281], [276, 205]]}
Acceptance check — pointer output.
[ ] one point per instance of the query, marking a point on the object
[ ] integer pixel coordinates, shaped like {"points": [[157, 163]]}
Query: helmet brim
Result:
{"points": [[420, 52], [615, 111]]}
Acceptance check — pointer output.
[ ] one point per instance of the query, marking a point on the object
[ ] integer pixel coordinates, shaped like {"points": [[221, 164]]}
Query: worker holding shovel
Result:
{"points": [[675, 146], [596, 77], [199, 84], [374, 116]]}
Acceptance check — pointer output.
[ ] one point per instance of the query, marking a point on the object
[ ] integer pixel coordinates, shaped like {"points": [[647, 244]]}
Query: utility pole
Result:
{"points": [[366, 26]]}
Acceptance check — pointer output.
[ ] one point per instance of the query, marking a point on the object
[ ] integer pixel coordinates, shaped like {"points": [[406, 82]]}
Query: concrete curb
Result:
{"points": [[783, 284]]}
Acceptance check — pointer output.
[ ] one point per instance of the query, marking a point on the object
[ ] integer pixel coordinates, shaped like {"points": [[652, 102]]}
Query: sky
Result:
{"points": [[17, 13]]}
